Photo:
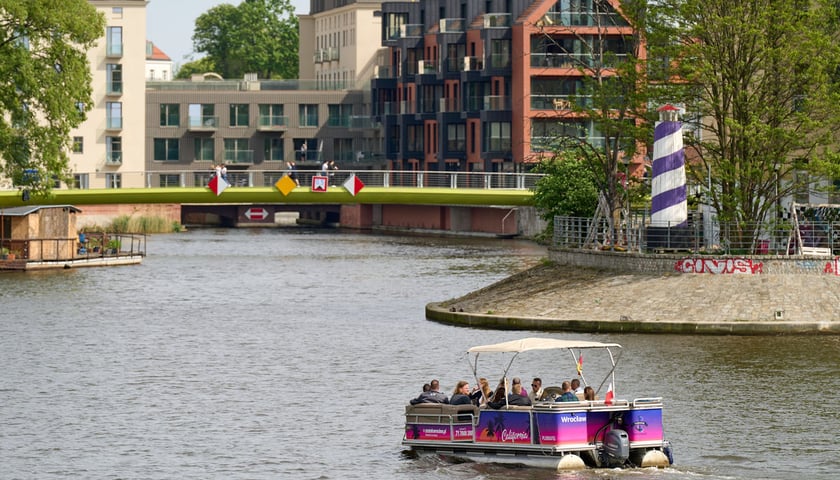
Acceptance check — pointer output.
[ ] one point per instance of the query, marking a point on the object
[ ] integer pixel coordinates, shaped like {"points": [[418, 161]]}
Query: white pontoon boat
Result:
{"points": [[561, 435]]}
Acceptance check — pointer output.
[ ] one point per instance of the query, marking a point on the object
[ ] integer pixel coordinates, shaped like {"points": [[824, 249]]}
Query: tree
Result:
{"points": [[605, 124], [202, 65], [257, 36], [760, 76], [568, 187], [45, 85]]}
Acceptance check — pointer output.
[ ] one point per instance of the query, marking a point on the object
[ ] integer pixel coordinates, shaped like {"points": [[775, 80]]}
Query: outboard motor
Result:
{"points": [[616, 448]]}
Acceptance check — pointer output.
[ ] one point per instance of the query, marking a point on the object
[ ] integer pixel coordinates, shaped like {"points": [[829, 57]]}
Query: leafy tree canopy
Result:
{"points": [[569, 188], [45, 85], [257, 36]]}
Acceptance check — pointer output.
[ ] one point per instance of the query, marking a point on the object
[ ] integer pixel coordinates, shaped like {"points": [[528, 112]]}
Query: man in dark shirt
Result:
{"points": [[432, 396]]}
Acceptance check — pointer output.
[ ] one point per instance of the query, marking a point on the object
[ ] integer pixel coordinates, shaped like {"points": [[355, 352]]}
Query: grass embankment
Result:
{"points": [[139, 224]]}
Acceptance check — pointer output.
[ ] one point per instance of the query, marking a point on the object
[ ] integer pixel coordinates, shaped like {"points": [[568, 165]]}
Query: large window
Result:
{"points": [[238, 114], [169, 115], [236, 151], [308, 115], [202, 115], [205, 150], [78, 145], [166, 149], [113, 180], [271, 115], [273, 149], [339, 115], [497, 137], [114, 42], [113, 150], [114, 115], [456, 137], [113, 78]]}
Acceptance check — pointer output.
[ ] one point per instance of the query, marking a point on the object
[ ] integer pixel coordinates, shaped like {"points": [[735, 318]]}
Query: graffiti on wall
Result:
{"points": [[832, 266], [725, 266]]}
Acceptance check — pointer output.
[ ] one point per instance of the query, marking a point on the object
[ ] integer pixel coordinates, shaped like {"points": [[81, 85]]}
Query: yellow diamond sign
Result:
{"points": [[285, 185]]}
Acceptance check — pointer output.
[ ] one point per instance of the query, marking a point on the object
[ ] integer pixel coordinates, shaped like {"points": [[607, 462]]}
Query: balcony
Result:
{"points": [[427, 67], [411, 30], [242, 157], [326, 55], [452, 25], [496, 20], [496, 102], [113, 123], [202, 123], [472, 64], [114, 89], [583, 19], [272, 123], [114, 50], [113, 158], [363, 123]]}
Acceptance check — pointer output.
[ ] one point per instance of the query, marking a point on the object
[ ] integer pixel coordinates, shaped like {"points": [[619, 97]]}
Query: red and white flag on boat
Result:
{"points": [[580, 364], [608, 398]]}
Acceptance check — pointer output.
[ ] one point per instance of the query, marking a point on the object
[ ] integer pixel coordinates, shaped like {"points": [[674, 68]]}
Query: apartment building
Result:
{"points": [[480, 86], [107, 147], [159, 66]]}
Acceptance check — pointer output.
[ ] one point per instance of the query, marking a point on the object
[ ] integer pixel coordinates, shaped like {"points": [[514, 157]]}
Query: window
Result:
{"points": [[500, 53], [415, 138], [78, 145], [456, 137], [271, 115], [81, 181], [113, 150], [236, 151], [114, 42], [308, 115], [114, 115], [166, 149], [113, 78], [273, 149], [339, 115], [169, 115], [117, 13], [498, 137], [170, 180], [113, 180], [201, 179], [205, 150], [202, 115], [238, 114]]}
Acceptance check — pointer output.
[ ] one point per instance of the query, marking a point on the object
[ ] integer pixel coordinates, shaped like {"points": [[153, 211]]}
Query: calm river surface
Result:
{"points": [[260, 354]]}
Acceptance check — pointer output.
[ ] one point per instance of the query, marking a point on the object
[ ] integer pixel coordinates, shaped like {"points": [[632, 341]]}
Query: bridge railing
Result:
{"points": [[371, 178]]}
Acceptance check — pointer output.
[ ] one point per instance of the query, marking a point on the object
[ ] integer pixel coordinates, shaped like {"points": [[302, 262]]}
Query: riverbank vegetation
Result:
{"points": [[138, 224]]}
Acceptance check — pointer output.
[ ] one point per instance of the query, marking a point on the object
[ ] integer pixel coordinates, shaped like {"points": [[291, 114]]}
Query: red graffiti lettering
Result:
{"points": [[714, 266]]}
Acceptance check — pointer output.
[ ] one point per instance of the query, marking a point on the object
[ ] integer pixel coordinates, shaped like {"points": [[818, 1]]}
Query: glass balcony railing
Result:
{"points": [[411, 30], [496, 102], [113, 158], [114, 123], [584, 19], [452, 25], [239, 156], [496, 20], [114, 88], [272, 121], [203, 122]]}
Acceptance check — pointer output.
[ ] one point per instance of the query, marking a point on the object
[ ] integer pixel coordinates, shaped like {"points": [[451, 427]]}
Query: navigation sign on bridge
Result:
{"points": [[218, 185], [256, 213]]}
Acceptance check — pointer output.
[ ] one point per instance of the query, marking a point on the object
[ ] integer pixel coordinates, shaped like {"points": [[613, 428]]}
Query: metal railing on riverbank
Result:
{"points": [[700, 235], [88, 245]]}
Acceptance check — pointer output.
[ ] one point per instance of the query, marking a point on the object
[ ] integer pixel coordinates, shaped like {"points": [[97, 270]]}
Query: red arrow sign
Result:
{"points": [[256, 213]]}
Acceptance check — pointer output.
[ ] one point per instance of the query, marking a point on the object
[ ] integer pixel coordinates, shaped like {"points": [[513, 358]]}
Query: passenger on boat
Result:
{"points": [[484, 387], [568, 395], [519, 396], [461, 394], [536, 389], [432, 396], [588, 393], [576, 388]]}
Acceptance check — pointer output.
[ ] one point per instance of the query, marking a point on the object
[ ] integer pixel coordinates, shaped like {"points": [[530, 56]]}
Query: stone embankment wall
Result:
{"points": [[627, 262]]}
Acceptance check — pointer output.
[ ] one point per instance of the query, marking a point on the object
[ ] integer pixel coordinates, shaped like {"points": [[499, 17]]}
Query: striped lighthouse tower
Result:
{"points": [[669, 208]]}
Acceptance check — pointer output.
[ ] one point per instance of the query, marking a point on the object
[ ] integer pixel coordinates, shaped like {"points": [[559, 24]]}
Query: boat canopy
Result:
{"points": [[526, 344]]}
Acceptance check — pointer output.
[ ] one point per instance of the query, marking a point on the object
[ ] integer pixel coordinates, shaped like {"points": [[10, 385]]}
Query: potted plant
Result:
{"points": [[4, 253], [113, 246]]}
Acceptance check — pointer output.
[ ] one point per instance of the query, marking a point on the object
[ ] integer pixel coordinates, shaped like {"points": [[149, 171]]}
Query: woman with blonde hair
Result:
{"points": [[481, 394]]}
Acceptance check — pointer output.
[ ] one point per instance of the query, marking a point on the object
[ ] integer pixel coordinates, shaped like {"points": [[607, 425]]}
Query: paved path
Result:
{"points": [[553, 297]]}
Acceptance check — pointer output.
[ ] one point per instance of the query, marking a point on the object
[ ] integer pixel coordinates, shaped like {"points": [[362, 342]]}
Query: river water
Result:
{"points": [[261, 354]]}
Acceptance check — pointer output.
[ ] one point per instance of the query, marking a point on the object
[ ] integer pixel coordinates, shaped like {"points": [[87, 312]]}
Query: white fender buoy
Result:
{"points": [[570, 462], [655, 458]]}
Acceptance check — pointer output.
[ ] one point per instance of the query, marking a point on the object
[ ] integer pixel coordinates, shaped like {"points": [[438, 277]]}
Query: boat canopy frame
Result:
{"points": [[534, 343]]}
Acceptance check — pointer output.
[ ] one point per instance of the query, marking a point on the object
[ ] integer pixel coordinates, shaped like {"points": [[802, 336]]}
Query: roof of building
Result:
{"points": [[156, 54], [28, 209]]}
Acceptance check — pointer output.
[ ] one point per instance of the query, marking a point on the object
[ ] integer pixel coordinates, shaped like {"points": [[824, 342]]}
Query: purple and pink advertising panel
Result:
{"points": [[504, 427], [595, 422], [644, 425], [562, 428], [441, 432]]}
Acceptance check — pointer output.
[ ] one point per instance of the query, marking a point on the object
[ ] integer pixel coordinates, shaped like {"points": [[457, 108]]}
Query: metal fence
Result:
{"points": [[701, 234]]}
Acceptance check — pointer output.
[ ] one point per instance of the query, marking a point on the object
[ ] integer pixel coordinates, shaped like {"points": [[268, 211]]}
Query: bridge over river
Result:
{"points": [[478, 202]]}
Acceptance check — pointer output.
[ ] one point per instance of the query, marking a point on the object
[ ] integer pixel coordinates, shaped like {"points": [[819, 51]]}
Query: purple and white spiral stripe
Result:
{"points": [[669, 207]]}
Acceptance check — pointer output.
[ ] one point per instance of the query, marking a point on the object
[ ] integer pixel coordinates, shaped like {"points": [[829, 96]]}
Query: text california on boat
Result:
{"points": [[611, 432]]}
